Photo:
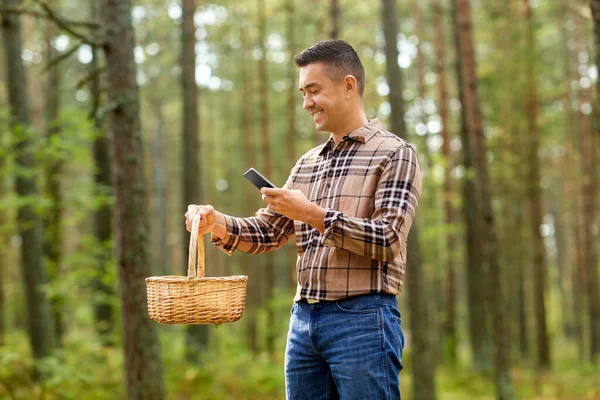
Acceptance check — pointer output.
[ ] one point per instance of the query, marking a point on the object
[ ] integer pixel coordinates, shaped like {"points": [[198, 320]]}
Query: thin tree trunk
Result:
{"points": [[423, 387], [421, 89], [197, 336], [451, 340], [521, 253], [143, 361], [247, 133], [104, 315], [291, 136], [591, 187], [3, 220], [582, 96], [334, 14], [266, 154], [159, 183], [39, 313], [535, 202], [572, 186], [52, 225], [566, 242], [433, 272], [578, 274], [476, 268], [34, 77], [3, 235], [476, 145], [320, 22]]}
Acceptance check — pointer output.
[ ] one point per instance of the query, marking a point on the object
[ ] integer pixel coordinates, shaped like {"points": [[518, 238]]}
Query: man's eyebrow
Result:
{"points": [[309, 85]]}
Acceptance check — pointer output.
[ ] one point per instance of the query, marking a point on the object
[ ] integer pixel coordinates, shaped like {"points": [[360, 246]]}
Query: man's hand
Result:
{"points": [[294, 205], [207, 218]]}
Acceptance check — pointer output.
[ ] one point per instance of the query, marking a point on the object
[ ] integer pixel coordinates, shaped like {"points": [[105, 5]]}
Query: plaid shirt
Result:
{"points": [[369, 185]]}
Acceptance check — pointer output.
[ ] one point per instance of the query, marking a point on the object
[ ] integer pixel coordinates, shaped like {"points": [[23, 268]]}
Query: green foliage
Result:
{"points": [[227, 50], [83, 367]]}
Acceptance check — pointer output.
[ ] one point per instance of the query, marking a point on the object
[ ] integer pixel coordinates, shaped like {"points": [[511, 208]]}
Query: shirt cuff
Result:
{"points": [[331, 217], [229, 243]]}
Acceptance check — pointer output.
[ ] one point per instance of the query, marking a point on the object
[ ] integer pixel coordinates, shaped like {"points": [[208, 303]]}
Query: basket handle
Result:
{"points": [[196, 246]]}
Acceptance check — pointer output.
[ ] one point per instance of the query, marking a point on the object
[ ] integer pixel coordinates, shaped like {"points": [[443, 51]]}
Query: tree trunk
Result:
{"points": [[535, 202], [432, 271], [3, 236], [565, 241], [291, 135], [143, 364], [34, 78], [583, 96], [39, 317], [52, 224], [476, 268], [104, 315], [4, 241], [591, 188], [247, 132], [419, 315], [269, 271], [197, 336], [334, 14], [451, 339], [477, 147], [421, 89], [159, 183]]}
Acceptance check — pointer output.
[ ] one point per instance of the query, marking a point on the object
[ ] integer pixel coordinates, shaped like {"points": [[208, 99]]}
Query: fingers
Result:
{"points": [[206, 210], [207, 217], [207, 213], [272, 191], [191, 212], [189, 216]]}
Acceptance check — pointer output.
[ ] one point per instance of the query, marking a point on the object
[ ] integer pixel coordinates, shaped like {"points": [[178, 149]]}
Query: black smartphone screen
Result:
{"points": [[257, 179]]}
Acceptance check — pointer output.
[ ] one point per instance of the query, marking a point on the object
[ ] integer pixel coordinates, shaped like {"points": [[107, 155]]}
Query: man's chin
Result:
{"points": [[321, 127]]}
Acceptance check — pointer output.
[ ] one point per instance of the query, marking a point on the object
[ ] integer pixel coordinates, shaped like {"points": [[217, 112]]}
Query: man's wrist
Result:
{"points": [[316, 217], [220, 228]]}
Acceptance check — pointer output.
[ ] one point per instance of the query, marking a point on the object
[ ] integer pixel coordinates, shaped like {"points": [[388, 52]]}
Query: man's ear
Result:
{"points": [[349, 85]]}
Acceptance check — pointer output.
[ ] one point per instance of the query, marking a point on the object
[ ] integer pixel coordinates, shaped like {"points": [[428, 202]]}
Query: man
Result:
{"points": [[350, 202]]}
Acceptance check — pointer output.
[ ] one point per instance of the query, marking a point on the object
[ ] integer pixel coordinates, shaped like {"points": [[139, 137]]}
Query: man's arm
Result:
{"points": [[266, 231], [382, 236], [219, 234], [396, 199]]}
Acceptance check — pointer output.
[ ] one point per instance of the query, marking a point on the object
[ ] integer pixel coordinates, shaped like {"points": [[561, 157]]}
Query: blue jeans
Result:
{"points": [[346, 349]]}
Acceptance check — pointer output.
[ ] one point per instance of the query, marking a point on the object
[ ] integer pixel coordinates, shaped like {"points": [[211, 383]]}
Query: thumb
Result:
{"points": [[208, 211]]}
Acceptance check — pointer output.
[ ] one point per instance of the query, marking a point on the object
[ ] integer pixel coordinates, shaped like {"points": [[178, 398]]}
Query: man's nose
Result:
{"points": [[307, 103]]}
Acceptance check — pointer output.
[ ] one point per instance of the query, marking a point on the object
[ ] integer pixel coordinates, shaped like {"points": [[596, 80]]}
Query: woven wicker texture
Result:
{"points": [[195, 299]]}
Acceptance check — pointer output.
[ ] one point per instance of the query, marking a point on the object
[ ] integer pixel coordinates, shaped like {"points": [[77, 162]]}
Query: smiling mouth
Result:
{"points": [[317, 113]]}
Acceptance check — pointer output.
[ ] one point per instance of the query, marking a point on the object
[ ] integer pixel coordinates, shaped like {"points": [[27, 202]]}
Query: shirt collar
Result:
{"points": [[361, 135]]}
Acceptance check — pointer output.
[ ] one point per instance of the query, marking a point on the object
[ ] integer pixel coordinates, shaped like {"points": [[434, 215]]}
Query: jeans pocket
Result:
{"points": [[357, 305], [399, 335]]}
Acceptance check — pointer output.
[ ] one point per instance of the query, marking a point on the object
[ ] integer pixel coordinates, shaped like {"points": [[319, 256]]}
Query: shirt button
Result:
{"points": [[328, 185], [306, 285]]}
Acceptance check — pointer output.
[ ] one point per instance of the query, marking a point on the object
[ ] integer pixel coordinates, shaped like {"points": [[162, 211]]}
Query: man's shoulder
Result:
{"points": [[385, 140]]}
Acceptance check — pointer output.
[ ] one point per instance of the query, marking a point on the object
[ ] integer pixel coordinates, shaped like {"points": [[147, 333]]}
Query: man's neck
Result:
{"points": [[359, 121]]}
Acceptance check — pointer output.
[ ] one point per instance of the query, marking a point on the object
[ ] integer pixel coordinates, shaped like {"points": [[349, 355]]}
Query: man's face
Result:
{"points": [[323, 98]]}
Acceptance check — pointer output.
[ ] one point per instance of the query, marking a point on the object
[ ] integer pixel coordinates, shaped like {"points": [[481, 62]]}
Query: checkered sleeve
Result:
{"points": [[266, 231], [396, 198]]}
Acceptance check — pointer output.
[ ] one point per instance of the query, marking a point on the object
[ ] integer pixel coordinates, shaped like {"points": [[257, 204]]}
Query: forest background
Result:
{"points": [[115, 116]]}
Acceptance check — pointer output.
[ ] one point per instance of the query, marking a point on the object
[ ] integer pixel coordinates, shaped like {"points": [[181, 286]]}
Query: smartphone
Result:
{"points": [[257, 179]]}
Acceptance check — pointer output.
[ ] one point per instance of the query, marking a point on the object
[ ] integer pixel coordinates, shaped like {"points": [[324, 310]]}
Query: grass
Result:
{"points": [[229, 371]]}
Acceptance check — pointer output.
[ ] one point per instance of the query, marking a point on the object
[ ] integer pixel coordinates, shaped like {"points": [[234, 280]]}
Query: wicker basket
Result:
{"points": [[195, 299]]}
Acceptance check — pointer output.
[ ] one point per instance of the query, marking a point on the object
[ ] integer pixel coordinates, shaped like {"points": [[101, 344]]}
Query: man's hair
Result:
{"points": [[339, 58]]}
